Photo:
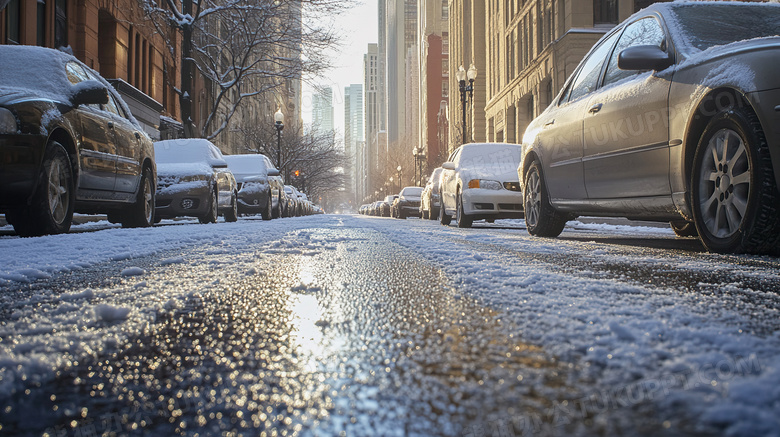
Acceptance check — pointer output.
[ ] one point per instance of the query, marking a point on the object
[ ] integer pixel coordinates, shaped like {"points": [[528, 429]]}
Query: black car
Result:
{"points": [[68, 143]]}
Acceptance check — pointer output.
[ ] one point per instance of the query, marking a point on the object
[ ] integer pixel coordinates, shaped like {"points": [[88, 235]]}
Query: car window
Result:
{"points": [[75, 73], [645, 32], [112, 106], [587, 78]]}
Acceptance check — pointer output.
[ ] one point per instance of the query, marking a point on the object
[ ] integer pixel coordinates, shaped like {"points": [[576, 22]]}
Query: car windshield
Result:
{"points": [[412, 192], [710, 25], [491, 158], [246, 164], [184, 151]]}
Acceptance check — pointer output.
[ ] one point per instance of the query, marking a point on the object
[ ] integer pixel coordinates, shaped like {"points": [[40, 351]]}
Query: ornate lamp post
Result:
{"points": [[279, 118], [399, 177], [392, 185], [462, 75]]}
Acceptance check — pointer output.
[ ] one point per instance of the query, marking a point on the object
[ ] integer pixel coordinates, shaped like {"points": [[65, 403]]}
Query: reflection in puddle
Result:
{"points": [[306, 334]]}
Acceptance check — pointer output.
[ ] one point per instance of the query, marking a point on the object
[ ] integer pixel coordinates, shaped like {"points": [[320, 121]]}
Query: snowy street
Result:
{"points": [[359, 326]]}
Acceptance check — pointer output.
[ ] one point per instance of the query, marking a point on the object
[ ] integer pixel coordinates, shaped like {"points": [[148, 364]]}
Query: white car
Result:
{"points": [[478, 182]]}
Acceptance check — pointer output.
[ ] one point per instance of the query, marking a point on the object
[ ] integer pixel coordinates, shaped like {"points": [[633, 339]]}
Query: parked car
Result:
{"points": [[260, 187], [193, 180], [291, 197], [364, 209], [479, 181], [670, 117], [386, 205], [68, 143], [430, 198], [407, 204]]}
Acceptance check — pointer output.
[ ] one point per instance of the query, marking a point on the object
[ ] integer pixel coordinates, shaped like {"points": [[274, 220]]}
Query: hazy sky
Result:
{"points": [[358, 28]]}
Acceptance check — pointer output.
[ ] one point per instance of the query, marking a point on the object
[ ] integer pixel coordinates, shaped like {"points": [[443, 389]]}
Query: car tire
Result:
{"points": [[444, 219], [211, 215], [541, 219], [51, 210], [231, 215], [741, 217], [682, 228], [141, 213], [267, 213], [461, 219]]}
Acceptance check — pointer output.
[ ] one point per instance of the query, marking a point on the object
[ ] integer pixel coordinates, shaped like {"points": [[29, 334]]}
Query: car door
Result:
{"points": [[127, 138], [626, 135], [561, 136], [97, 151]]}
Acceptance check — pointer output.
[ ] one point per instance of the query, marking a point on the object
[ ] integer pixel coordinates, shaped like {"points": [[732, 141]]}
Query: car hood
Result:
{"points": [[498, 172], [11, 96], [183, 169]]}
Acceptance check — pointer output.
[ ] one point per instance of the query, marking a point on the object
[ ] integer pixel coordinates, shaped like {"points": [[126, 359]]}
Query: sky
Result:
{"points": [[358, 28]]}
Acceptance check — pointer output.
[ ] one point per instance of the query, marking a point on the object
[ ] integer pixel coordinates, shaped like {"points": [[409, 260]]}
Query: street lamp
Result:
{"points": [[392, 186], [399, 177], [462, 75], [414, 153], [279, 118]]}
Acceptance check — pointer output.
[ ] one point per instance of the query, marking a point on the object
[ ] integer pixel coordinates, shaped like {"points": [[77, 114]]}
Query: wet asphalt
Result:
{"points": [[359, 337]]}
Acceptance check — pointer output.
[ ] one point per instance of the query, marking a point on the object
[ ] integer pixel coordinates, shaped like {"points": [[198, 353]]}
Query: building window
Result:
{"points": [[605, 11], [12, 22], [41, 23], [445, 10], [60, 24], [445, 90]]}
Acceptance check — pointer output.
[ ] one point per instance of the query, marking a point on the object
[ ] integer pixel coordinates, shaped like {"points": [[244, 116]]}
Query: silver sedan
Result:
{"points": [[672, 116]]}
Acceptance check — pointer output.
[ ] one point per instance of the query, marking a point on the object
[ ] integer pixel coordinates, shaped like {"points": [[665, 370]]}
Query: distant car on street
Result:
{"points": [[479, 181], [193, 180], [672, 116], [260, 187], [430, 200], [407, 204], [68, 143]]}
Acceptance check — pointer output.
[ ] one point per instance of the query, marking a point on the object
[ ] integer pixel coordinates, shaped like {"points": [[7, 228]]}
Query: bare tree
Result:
{"points": [[316, 155], [242, 48]]}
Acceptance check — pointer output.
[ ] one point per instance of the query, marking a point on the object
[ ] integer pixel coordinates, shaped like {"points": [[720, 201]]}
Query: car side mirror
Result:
{"points": [[647, 57], [273, 172], [89, 92], [448, 165]]}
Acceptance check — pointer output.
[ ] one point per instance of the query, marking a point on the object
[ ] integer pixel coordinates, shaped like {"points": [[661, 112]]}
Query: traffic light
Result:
{"points": [[297, 173]]}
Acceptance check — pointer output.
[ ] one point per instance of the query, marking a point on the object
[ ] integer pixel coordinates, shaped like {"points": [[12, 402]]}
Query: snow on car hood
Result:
{"points": [[184, 169]]}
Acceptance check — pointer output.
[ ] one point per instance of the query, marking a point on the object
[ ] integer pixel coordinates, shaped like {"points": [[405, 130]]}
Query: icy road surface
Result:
{"points": [[361, 326]]}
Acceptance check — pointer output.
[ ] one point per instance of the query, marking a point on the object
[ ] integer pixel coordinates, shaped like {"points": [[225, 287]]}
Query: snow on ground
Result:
{"points": [[690, 353]]}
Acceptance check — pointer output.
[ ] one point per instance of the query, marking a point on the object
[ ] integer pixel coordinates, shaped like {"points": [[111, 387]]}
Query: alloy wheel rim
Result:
{"points": [[59, 201], [533, 199], [724, 184], [148, 206]]}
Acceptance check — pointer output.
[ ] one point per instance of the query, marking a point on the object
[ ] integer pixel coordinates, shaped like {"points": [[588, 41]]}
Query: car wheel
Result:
{"points": [[231, 215], [541, 219], [462, 219], [211, 215], [684, 229], [267, 213], [444, 219], [51, 211], [736, 205], [141, 214]]}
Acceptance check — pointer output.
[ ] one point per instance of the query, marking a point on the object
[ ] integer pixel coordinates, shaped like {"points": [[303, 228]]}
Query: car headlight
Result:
{"points": [[8, 124], [485, 184]]}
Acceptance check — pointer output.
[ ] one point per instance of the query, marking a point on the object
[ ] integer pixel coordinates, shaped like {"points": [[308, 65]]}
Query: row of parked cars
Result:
{"points": [[479, 181], [672, 116], [69, 143]]}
